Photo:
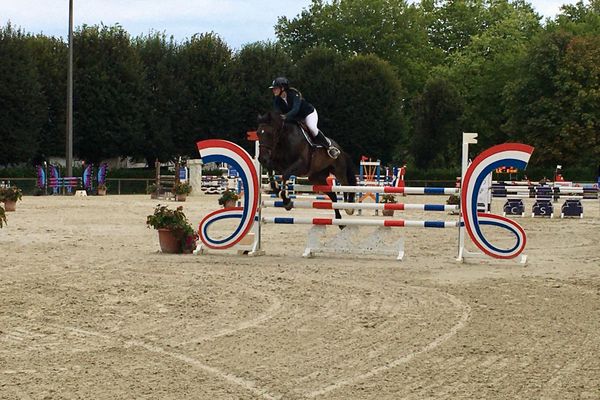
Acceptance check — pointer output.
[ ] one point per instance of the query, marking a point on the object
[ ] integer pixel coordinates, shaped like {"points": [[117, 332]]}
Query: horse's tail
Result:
{"points": [[350, 176]]}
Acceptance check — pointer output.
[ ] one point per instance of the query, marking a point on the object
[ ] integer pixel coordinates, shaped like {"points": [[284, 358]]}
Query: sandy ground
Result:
{"points": [[90, 309]]}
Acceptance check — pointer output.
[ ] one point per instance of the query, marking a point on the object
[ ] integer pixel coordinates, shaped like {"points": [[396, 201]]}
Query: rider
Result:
{"points": [[289, 103]]}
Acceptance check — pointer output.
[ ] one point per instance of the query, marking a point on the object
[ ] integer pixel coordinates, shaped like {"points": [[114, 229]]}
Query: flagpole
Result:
{"points": [[69, 134]]}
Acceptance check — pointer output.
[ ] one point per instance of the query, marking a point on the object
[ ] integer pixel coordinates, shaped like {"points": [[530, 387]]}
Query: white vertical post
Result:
{"points": [[468, 138], [195, 176], [256, 249]]}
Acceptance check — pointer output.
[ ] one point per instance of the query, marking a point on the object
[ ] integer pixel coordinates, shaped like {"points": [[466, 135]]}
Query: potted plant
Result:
{"points": [[181, 190], [102, 189], [2, 217], [9, 196], [175, 234], [453, 200], [152, 190], [388, 199], [228, 198]]}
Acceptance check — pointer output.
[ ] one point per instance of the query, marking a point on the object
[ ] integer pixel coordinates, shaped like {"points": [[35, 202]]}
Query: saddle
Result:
{"points": [[310, 139]]}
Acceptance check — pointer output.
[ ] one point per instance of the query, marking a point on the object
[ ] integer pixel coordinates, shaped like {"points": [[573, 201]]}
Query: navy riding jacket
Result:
{"points": [[295, 109]]}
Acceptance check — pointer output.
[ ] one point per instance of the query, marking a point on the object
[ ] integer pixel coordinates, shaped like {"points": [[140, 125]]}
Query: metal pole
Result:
{"points": [[69, 138]]}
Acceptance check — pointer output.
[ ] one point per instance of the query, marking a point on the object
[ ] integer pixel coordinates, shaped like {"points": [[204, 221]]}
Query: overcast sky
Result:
{"points": [[236, 21]]}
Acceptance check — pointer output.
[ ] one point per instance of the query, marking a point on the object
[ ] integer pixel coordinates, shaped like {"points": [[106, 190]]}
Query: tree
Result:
{"points": [[50, 56], [579, 18], [108, 93], [452, 25], [161, 90], [483, 69], [367, 115], [22, 106], [392, 30], [253, 69], [318, 78], [554, 104], [437, 135], [206, 105]]}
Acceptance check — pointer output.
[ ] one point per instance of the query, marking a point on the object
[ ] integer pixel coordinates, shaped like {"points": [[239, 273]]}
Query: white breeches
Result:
{"points": [[311, 121]]}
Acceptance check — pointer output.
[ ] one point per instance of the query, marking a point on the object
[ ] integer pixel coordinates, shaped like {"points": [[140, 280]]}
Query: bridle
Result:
{"points": [[276, 135]]}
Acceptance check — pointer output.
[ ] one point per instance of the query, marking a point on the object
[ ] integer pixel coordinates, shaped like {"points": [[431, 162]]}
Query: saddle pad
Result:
{"points": [[308, 137]]}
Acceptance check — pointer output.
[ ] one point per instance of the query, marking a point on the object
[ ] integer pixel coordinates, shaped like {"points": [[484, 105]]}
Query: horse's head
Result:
{"points": [[269, 128]]}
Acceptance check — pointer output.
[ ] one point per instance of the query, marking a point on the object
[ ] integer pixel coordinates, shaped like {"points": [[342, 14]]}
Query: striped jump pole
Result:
{"points": [[351, 240], [399, 223], [301, 196], [374, 189], [328, 205]]}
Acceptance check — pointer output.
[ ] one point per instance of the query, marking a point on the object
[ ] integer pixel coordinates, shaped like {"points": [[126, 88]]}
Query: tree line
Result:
{"points": [[391, 80]]}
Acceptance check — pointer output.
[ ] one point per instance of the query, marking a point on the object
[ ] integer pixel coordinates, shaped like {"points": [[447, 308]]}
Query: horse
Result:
{"points": [[284, 149]]}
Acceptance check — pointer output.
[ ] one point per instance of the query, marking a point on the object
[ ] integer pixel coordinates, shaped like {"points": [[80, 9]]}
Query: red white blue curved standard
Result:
{"points": [[508, 155], [216, 150]]}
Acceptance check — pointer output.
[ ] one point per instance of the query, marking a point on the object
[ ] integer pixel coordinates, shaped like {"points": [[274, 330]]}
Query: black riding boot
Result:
{"points": [[333, 151]]}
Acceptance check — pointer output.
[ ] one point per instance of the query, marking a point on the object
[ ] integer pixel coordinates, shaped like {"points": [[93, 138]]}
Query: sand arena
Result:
{"points": [[90, 309]]}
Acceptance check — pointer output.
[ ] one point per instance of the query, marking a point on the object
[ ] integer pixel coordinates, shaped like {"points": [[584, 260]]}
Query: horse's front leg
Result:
{"points": [[295, 169], [273, 182]]}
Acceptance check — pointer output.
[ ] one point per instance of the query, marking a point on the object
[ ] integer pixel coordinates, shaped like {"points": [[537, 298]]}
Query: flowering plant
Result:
{"points": [[175, 221], [182, 188], [11, 193], [388, 198], [228, 195]]}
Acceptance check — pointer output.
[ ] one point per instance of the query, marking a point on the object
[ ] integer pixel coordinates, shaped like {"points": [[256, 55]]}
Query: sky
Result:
{"points": [[236, 21]]}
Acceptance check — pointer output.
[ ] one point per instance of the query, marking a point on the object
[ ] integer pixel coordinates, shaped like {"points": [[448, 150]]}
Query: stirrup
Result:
{"points": [[333, 152]]}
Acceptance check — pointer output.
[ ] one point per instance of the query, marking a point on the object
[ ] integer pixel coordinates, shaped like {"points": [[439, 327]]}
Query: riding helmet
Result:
{"points": [[281, 82]]}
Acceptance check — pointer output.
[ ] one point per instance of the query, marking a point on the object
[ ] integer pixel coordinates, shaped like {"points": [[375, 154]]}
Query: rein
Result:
{"points": [[276, 135]]}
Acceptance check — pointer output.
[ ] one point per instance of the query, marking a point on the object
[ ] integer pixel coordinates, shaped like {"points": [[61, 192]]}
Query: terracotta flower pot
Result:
{"points": [[10, 205], [101, 192], [229, 204], [387, 213], [181, 197], [169, 241]]}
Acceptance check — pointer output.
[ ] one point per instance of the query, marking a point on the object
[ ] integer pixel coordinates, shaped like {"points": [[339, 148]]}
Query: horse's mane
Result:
{"points": [[269, 117]]}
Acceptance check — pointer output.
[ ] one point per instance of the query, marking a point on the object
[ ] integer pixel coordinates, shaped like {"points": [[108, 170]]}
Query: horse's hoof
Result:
{"points": [[341, 226], [288, 207], [349, 211]]}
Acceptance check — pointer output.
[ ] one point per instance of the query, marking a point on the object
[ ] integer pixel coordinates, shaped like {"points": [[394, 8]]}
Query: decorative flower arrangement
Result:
{"points": [[388, 198], [152, 188], [453, 200], [11, 193], [182, 188], [176, 222], [228, 196]]}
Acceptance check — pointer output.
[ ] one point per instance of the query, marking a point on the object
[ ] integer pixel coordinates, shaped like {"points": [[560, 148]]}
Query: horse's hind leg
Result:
{"points": [[340, 172], [320, 178], [333, 197]]}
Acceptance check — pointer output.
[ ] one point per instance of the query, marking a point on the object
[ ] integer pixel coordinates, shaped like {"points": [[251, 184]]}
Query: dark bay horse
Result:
{"points": [[284, 149]]}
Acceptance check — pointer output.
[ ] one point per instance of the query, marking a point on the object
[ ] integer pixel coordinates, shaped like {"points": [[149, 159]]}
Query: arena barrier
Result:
{"points": [[544, 196], [468, 224]]}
